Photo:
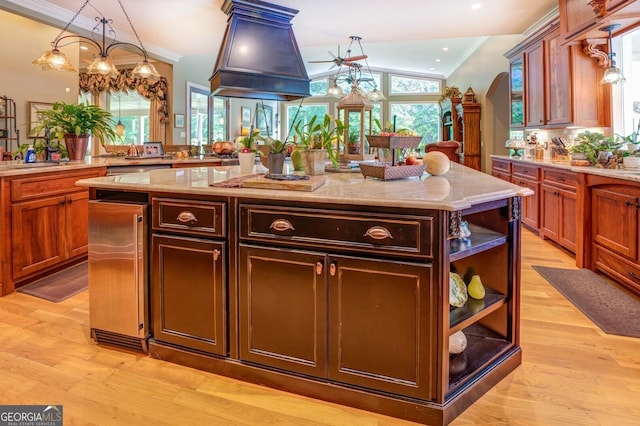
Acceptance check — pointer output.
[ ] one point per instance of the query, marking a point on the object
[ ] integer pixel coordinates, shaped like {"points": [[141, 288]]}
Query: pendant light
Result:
{"points": [[119, 129], [612, 74]]}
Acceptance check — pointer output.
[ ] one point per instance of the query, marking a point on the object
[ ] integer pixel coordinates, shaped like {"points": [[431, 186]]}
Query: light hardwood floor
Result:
{"points": [[572, 373]]}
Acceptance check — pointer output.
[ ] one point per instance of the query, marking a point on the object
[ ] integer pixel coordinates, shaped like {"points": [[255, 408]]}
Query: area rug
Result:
{"points": [[59, 286], [608, 307]]}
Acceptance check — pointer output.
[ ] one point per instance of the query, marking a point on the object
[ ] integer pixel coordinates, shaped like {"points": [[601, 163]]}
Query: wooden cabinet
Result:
{"points": [[49, 216], [580, 19], [461, 122], [558, 207], [528, 175], [188, 274], [615, 236], [562, 84], [501, 169]]}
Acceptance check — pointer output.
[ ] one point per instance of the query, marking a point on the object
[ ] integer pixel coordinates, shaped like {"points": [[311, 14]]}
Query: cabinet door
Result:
{"points": [[76, 224], [283, 309], [567, 218], [37, 235], [550, 217], [188, 293], [558, 70], [381, 319], [534, 89], [614, 221], [530, 205], [516, 84]]}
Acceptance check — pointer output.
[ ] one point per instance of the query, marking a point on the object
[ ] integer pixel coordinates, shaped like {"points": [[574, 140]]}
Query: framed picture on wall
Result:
{"points": [[245, 115], [264, 119], [178, 121], [34, 107]]}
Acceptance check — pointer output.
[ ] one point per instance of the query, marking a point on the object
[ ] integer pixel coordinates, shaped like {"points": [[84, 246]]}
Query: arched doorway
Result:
{"points": [[497, 108]]}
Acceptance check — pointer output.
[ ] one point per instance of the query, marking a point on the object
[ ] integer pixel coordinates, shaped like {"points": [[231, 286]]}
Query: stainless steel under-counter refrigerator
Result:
{"points": [[118, 274]]}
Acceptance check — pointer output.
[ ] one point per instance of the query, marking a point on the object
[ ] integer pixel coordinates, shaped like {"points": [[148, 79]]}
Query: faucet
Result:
{"points": [[49, 150]]}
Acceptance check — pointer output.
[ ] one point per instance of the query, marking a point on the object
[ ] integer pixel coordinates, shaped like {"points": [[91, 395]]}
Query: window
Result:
{"points": [[626, 95], [402, 85], [305, 113], [133, 111], [197, 114], [319, 87], [421, 117], [220, 107], [366, 83]]}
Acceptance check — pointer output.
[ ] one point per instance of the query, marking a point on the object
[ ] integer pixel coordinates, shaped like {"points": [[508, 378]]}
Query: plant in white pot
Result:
{"points": [[75, 124], [631, 157], [247, 154]]}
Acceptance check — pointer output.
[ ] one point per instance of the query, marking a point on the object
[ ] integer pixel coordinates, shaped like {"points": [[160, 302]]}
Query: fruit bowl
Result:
{"points": [[386, 171], [393, 142]]}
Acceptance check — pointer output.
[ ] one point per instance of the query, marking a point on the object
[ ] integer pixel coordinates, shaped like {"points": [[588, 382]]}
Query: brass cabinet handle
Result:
{"points": [[187, 217], [319, 267], [282, 225], [378, 233], [332, 269]]}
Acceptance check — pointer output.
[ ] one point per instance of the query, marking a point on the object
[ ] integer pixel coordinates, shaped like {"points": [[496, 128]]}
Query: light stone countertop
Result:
{"points": [[619, 173], [458, 189]]}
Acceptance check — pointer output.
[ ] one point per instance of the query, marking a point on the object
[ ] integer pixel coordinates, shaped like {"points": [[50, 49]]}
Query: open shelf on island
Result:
{"points": [[481, 239], [474, 310], [483, 346]]}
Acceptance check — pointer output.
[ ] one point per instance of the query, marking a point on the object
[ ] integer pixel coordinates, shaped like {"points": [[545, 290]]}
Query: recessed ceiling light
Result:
{"points": [[445, 48], [476, 6], [437, 60], [432, 69]]}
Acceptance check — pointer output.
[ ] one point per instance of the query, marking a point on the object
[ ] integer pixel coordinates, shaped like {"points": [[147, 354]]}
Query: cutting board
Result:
{"points": [[293, 185]]}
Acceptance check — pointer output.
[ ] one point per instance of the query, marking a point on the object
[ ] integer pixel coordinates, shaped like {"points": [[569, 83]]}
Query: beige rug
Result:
{"points": [[59, 286]]}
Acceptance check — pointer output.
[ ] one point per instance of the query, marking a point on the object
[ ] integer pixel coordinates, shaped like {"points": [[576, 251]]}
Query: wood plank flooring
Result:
{"points": [[572, 373]]}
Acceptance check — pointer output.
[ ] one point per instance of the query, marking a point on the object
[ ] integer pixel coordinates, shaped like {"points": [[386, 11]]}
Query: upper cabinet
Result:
{"points": [[581, 19], [561, 84]]}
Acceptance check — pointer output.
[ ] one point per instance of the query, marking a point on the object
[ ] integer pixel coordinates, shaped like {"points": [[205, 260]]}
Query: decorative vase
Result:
{"points": [[76, 146], [275, 162], [247, 160], [314, 161]]}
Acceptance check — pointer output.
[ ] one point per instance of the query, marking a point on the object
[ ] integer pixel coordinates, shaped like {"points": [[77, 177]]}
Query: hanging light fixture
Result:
{"points": [[354, 77], [119, 129], [56, 60], [612, 74]]}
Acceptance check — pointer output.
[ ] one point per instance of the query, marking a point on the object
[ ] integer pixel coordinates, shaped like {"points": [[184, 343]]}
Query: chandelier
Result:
{"points": [[56, 60], [355, 77]]}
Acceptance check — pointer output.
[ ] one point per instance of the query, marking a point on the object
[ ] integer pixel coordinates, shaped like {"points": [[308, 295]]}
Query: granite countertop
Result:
{"points": [[619, 173], [458, 189], [19, 167]]}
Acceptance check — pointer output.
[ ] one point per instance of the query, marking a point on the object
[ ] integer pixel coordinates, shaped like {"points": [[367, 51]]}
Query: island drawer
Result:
{"points": [[204, 218], [353, 231]]}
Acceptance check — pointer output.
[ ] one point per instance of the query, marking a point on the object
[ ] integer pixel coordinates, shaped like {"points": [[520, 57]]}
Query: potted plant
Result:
{"points": [[353, 144], [276, 153], [247, 154], [39, 147], [317, 141], [75, 124], [631, 156]]}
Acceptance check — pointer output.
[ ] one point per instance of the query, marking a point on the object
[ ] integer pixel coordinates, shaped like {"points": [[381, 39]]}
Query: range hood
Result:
{"points": [[259, 56]]}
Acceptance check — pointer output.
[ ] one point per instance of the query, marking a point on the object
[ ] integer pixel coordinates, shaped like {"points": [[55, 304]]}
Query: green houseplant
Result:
{"points": [[75, 123], [316, 139], [276, 151]]}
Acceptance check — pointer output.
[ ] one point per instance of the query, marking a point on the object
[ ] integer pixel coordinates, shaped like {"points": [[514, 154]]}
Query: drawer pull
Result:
{"points": [[187, 217], [319, 267], [282, 225], [634, 276], [378, 233], [561, 179]]}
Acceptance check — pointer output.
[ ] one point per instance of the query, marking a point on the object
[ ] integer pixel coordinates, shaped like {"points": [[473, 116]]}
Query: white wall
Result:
{"points": [[478, 72]]}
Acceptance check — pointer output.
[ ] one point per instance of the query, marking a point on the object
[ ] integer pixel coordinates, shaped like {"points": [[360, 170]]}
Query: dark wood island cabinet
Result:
{"points": [[333, 293]]}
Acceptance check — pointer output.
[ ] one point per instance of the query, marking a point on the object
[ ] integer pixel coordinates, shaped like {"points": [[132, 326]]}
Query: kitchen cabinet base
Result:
{"points": [[412, 409]]}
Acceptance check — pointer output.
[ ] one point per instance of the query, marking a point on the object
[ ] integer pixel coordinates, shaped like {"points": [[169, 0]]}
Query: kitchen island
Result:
{"points": [[341, 293]]}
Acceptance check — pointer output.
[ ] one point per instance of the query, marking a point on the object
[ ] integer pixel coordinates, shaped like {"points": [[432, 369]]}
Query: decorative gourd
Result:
{"points": [[436, 163], [457, 342], [457, 290]]}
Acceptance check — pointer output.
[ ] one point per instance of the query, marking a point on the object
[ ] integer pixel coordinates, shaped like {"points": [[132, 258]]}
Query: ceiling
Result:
{"points": [[408, 35]]}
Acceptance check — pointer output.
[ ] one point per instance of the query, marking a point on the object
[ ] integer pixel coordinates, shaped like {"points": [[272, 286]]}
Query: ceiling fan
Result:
{"points": [[339, 61]]}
